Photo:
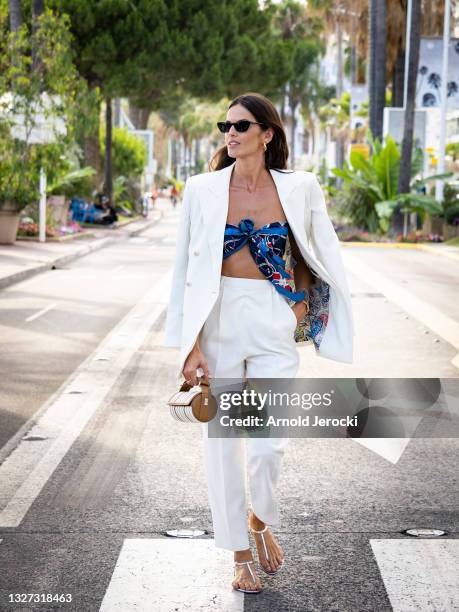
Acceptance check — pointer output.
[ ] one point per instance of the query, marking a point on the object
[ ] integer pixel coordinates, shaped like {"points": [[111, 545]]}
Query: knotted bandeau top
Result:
{"points": [[267, 247]]}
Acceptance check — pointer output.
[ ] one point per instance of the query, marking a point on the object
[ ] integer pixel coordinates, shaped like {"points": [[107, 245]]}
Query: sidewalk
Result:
{"points": [[25, 258]]}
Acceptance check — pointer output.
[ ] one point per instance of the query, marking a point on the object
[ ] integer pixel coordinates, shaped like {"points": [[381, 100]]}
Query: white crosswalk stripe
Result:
{"points": [[165, 575], [419, 575]]}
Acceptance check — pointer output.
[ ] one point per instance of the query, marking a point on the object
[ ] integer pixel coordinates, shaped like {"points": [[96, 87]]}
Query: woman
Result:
{"points": [[243, 227]]}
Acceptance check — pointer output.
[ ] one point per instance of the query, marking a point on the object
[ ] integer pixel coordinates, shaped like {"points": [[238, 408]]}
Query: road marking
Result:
{"points": [[444, 326], [390, 449], [442, 251], [41, 312], [172, 574], [26, 470], [419, 575]]}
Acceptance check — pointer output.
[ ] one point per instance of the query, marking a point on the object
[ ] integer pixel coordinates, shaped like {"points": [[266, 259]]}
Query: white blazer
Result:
{"points": [[199, 254]]}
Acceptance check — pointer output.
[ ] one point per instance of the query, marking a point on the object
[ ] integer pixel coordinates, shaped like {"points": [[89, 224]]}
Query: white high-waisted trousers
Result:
{"points": [[249, 334]]}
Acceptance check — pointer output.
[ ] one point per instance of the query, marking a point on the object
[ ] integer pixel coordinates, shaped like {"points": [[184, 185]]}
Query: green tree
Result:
{"points": [[24, 93], [149, 50]]}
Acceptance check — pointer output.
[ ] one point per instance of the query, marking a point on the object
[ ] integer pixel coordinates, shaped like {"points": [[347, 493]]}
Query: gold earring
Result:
{"points": [[265, 146]]}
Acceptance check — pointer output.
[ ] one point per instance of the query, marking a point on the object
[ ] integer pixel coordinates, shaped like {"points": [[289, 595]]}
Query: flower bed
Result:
{"points": [[31, 229], [353, 234]]}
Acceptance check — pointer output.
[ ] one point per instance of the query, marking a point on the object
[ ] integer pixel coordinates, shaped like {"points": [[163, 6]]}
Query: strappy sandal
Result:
{"points": [[251, 573], [262, 532]]}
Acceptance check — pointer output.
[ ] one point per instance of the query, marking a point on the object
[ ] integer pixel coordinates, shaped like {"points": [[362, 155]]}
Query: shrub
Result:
{"points": [[452, 215], [129, 154]]}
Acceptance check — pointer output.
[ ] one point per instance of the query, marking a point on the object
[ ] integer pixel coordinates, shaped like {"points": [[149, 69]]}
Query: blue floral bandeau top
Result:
{"points": [[267, 246]]}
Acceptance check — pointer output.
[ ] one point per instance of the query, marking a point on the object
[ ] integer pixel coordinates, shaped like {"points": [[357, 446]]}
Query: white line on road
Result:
{"points": [[26, 470], [433, 318], [41, 312], [419, 575], [392, 449], [172, 574]]}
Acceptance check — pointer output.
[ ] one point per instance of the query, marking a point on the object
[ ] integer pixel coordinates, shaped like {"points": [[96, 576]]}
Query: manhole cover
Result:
{"points": [[185, 533], [425, 533]]}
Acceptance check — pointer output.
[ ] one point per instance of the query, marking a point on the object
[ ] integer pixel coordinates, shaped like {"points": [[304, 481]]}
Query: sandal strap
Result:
{"points": [[249, 568], [262, 531], [263, 540]]}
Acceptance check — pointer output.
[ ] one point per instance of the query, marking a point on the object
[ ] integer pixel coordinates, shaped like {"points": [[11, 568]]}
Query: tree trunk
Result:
{"points": [[38, 6], [339, 59], [293, 106], [92, 157], [15, 24], [377, 89], [407, 144], [139, 116], [108, 185], [197, 154], [92, 154], [353, 52], [398, 74], [15, 15], [186, 157], [312, 136], [282, 106], [174, 157], [340, 148], [339, 157]]}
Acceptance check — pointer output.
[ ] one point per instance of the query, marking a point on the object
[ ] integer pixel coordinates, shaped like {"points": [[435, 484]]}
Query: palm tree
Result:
{"points": [[301, 30], [341, 17]]}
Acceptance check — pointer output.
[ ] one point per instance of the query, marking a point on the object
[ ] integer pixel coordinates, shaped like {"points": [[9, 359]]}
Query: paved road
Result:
{"points": [[101, 472]]}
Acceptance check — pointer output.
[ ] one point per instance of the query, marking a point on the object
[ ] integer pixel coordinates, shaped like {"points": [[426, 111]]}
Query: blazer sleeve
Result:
{"points": [[325, 241], [174, 316]]}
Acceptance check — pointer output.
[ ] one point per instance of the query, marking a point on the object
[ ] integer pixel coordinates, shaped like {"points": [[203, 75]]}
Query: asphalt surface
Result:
{"points": [[100, 471]]}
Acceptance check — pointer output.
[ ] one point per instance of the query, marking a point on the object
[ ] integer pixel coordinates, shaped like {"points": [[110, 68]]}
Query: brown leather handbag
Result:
{"points": [[193, 404]]}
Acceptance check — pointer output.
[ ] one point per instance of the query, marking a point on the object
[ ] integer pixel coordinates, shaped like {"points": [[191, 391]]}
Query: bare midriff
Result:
{"points": [[262, 206]]}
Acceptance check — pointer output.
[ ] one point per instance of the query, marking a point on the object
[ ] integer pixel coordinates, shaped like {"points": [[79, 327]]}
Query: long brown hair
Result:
{"points": [[264, 111]]}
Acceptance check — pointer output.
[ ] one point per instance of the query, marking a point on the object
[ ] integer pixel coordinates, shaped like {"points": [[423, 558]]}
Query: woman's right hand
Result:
{"points": [[194, 361]]}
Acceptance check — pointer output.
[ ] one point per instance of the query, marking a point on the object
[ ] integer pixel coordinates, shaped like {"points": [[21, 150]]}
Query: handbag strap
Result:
{"points": [[186, 386], [204, 390]]}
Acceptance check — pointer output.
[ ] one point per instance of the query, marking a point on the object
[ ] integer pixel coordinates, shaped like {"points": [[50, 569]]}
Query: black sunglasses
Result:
{"points": [[241, 126]]}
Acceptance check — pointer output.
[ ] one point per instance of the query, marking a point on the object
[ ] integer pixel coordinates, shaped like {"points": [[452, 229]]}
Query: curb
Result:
{"points": [[17, 277]]}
